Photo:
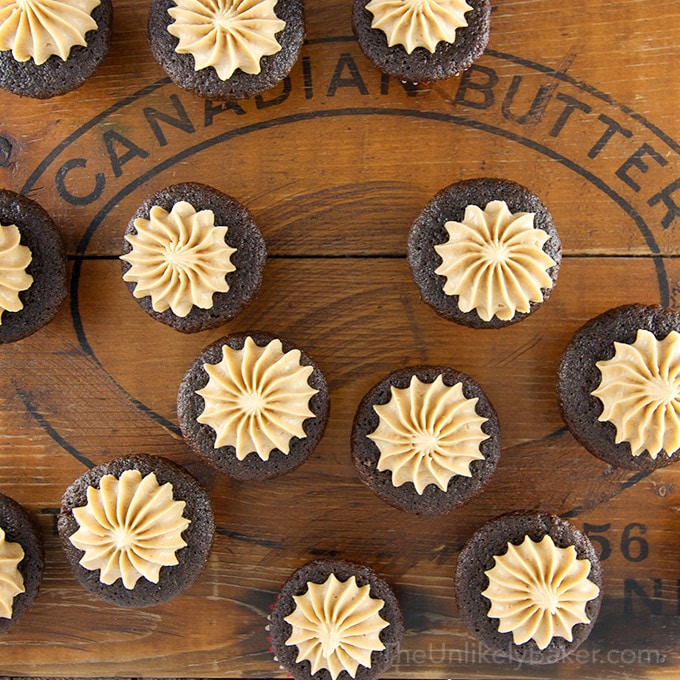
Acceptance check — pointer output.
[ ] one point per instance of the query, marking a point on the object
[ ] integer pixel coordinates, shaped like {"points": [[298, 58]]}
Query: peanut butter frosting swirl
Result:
{"points": [[494, 261], [179, 258], [37, 29], [14, 258], [257, 398], [129, 528], [539, 591], [336, 626], [418, 23], [226, 34], [11, 580], [640, 393], [427, 433]]}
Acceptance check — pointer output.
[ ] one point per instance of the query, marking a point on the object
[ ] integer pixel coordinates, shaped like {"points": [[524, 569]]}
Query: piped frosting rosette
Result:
{"points": [[529, 586], [253, 405], [137, 531], [425, 439]]}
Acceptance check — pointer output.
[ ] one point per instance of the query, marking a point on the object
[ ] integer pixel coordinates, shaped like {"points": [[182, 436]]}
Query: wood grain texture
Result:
{"points": [[577, 101]]}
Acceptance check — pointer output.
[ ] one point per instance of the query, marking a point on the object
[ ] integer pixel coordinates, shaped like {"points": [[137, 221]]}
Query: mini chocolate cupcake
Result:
{"points": [[137, 530], [425, 439], [212, 50], [422, 42], [528, 586], [335, 619], [484, 253], [619, 386], [253, 405], [22, 558], [33, 267], [49, 48], [193, 257]]}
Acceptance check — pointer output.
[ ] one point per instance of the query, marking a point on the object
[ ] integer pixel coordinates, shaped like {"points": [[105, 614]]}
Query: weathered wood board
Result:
{"points": [[577, 100]]}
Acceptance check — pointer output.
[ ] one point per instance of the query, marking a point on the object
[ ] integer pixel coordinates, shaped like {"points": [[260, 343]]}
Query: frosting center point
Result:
{"points": [[496, 252], [253, 403], [545, 597], [122, 538], [426, 443], [177, 255]]}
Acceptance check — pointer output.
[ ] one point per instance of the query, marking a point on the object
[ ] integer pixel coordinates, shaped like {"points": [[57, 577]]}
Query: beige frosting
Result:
{"points": [[418, 23], [257, 398], [226, 34], [14, 258], [37, 29], [129, 528], [179, 258], [640, 392], [494, 261], [11, 580], [427, 433], [336, 626], [539, 591]]}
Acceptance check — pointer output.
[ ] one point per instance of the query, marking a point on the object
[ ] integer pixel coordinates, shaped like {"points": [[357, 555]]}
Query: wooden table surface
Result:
{"points": [[578, 101]]}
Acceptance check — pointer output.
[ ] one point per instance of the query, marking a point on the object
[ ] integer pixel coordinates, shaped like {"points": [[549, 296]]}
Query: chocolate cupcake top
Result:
{"points": [[253, 405], [425, 439], [336, 619], [11, 579], [336, 625], [257, 398], [640, 393], [193, 257], [494, 261], [422, 41], [21, 561], [224, 49], [178, 258], [130, 527], [137, 530], [48, 47], [226, 35], [529, 586], [14, 260], [539, 591], [39, 29], [427, 433], [421, 24], [619, 386], [484, 252], [32, 267]]}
